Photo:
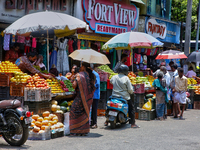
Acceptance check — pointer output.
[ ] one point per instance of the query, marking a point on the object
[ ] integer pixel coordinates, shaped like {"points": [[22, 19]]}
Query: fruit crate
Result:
{"points": [[103, 76], [38, 107], [103, 95], [139, 88], [40, 136], [5, 79], [101, 112], [37, 94], [196, 97], [4, 93], [102, 104], [196, 104], [17, 89], [103, 86], [109, 85], [147, 114], [108, 93]]}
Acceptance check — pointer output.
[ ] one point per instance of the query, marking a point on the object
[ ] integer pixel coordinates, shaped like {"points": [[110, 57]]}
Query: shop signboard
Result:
{"points": [[110, 16], [164, 31], [11, 10]]}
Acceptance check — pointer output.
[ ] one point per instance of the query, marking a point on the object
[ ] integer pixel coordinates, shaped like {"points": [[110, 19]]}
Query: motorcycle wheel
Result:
{"points": [[17, 134], [113, 124]]}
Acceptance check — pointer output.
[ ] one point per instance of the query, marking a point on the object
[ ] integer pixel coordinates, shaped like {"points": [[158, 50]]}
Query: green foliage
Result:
{"points": [[179, 11]]}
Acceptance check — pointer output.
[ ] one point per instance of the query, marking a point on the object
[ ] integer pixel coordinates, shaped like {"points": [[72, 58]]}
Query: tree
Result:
{"points": [[178, 14]]}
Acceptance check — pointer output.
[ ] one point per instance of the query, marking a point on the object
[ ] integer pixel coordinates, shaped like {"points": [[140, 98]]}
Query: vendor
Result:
{"points": [[191, 73], [25, 64], [12, 54], [39, 63], [124, 58]]}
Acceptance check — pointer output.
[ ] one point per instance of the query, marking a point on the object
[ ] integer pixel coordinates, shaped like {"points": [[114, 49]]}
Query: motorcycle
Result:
{"points": [[14, 122], [117, 110]]}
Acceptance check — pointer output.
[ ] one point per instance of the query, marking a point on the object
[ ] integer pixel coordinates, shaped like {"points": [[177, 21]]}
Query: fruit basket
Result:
{"points": [[17, 89], [5, 79]]}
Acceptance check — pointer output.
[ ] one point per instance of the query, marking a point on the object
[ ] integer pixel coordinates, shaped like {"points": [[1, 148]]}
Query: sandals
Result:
{"points": [[135, 126]]}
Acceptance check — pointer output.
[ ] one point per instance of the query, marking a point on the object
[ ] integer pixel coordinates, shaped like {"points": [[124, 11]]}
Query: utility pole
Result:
{"points": [[197, 36], [188, 27]]}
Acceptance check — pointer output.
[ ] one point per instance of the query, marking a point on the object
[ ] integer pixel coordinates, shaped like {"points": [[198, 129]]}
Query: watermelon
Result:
{"points": [[63, 108], [64, 103]]}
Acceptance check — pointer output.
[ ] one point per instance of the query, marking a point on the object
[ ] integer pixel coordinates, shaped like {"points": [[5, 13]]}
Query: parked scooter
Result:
{"points": [[14, 122], [117, 110]]}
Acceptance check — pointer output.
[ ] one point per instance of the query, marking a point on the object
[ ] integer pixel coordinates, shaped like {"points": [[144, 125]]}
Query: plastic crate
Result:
{"points": [[38, 107], [108, 93], [4, 93], [136, 115], [103, 86], [102, 104], [196, 104], [37, 94], [109, 85], [17, 89], [139, 88], [40, 136], [60, 117], [147, 114], [103, 95], [103, 76], [5, 79], [196, 97], [101, 112]]}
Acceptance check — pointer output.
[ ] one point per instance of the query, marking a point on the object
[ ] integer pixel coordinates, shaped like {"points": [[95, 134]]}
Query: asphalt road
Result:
{"points": [[153, 135]]}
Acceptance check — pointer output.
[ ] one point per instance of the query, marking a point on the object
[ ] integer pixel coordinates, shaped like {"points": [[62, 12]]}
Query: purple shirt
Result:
{"points": [[190, 74]]}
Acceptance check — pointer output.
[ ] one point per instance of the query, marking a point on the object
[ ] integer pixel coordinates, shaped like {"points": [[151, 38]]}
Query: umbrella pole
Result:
{"points": [[47, 50], [132, 58]]}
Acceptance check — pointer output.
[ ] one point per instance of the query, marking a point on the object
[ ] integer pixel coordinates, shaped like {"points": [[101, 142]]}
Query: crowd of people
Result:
{"points": [[170, 89]]}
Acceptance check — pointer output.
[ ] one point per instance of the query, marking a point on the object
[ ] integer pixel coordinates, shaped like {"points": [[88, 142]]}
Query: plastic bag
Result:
{"points": [[147, 105], [66, 123]]}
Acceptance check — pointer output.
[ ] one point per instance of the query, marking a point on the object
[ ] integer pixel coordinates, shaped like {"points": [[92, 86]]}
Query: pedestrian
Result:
{"points": [[161, 96], [84, 85], [191, 73], [180, 91], [96, 98], [124, 58], [172, 86], [167, 79]]}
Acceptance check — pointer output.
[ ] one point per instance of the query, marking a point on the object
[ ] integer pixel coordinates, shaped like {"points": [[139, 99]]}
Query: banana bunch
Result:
{"points": [[191, 81]]}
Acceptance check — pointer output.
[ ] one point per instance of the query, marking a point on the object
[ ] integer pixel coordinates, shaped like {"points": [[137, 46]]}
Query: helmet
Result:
{"points": [[123, 69]]}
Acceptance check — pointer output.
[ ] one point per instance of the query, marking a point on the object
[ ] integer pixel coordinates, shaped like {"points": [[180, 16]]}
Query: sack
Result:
{"points": [[147, 105], [66, 123]]}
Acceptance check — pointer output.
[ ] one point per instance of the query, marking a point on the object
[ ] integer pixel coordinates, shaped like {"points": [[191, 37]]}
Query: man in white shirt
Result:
{"points": [[123, 87]]}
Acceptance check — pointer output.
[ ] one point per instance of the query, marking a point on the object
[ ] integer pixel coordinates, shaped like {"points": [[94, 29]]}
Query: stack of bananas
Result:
{"points": [[132, 77], [191, 81]]}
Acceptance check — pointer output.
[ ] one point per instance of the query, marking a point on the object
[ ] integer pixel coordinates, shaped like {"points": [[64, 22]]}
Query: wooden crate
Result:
{"points": [[17, 89], [5, 79]]}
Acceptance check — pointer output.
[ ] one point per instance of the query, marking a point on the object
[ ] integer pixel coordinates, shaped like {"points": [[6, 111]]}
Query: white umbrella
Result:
{"points": [[89, 56], [47, 20]]}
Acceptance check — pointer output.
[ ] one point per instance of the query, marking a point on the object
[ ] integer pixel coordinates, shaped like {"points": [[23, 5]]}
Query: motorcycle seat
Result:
{"points": [[6, 104]]}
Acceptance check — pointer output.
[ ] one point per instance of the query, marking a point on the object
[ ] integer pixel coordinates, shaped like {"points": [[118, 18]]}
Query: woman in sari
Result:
{"points": [[161, 95], [80, 110]]}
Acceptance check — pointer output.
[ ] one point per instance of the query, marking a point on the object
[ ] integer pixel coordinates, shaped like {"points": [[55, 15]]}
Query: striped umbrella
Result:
{"points": [[171, 54], [131, 40]]}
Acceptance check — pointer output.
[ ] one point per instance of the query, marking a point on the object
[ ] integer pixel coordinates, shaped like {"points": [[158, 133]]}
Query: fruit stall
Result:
{"points": [[49, 99]]}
